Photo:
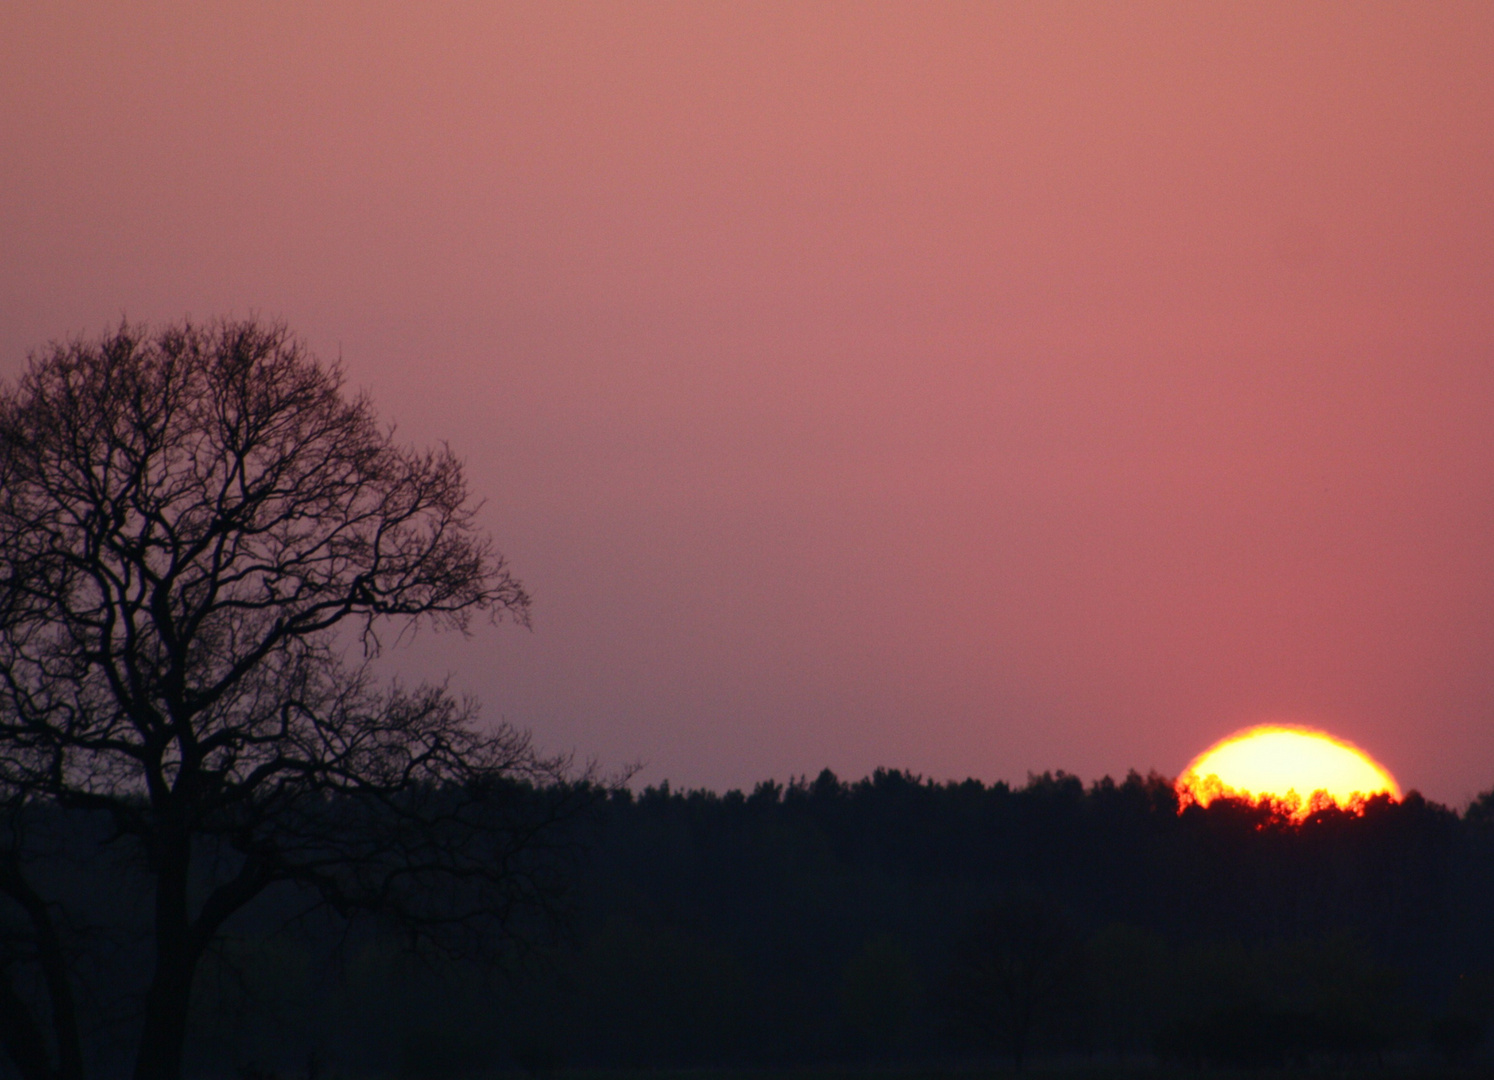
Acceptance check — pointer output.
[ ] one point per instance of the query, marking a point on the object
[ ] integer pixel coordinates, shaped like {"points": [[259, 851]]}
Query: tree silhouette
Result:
{"points": [[1015, 968], [196, 527]]}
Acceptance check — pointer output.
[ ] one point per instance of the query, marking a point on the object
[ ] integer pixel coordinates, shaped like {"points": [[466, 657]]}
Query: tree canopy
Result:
{"points": [[198, 529]]}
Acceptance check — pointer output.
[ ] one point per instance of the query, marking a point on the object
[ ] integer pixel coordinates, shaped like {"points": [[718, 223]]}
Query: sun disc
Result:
{"points": [[1294, 767]]}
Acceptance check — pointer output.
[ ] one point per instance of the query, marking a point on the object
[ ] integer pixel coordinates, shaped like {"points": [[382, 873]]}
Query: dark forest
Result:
{"points": [[888, 921]]}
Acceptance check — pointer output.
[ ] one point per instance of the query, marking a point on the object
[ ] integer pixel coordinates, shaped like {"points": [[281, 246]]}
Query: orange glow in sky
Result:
{"points": [[1290, 765]]}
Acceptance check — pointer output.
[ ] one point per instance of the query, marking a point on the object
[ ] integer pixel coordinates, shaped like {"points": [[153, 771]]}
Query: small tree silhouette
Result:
{"points": [[1016, 968], [878, 993]]}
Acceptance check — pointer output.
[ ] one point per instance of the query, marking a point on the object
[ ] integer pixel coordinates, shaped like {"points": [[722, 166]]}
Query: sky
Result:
{"points": [[974, 389]]}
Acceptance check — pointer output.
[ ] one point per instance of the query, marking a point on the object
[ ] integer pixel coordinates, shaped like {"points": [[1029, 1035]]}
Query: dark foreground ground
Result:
{"points": [[1054, 1070]]}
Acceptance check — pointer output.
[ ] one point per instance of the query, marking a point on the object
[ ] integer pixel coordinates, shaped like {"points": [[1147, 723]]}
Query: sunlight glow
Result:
{"points": [[1298, 769]]}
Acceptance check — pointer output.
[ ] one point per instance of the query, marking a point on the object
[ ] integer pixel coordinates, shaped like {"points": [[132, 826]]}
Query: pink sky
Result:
{"points": [[973, 389]]}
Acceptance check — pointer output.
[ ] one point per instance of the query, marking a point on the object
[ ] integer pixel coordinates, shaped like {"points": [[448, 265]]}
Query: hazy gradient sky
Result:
{"points": [[973, 389]]}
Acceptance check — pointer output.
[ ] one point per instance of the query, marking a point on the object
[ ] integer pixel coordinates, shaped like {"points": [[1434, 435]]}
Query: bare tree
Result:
{"points": [[197, 528]]}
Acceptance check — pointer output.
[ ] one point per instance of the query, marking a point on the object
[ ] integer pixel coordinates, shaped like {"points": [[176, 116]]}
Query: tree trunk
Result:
{"points": [[20, 1034], [21, 1037], [163, 1035]]}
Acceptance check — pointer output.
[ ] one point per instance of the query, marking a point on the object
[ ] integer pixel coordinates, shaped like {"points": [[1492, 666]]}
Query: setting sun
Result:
{"points": [[1295, 767]]}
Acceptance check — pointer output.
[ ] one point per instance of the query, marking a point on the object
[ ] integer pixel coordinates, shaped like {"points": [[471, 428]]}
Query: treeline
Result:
{"points": [[896, 919], [890, 920]]}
